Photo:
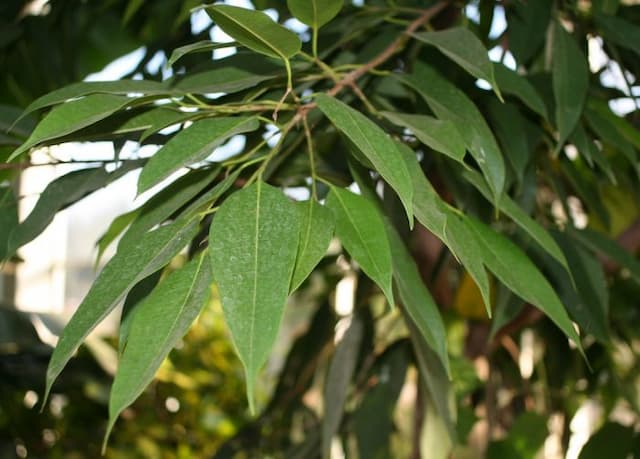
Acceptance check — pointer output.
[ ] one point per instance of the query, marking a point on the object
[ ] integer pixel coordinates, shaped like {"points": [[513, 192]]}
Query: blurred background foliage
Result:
{"points": [[518, 383]]}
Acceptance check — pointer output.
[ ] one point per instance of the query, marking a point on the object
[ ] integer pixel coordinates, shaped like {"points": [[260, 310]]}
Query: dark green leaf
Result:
{"points": [[132, 263], [440, 135], [253, 244], [361, 230], [8, 218], [449, 103], [613, 441], [511, 82], [316, 231], [462, 46], [570, 82], [227, 79], [527, 26], [375, 144], [620, 31], [160, 321], [315, 13], [116, 228], [192, 145], [152, 121], [73, 116], [255, 30]]}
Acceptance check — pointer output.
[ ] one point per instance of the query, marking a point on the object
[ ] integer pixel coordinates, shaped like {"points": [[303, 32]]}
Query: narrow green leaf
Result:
{"points": [[528, 224], [440, 135], [511, 82], [58, 195], [609, 134], [256, 31], [228, 79], [620, 31], [527, 22], [315, 13], [450, 103], [622, 125], [205, 201], [160, 321], [518, 272], [316, 231], [8, 218], [375, 144], [361, 230], [570, 82], [253, 245], [115, 229], [192, 145], [73, 116], [462, 46], [415, 297], [197, 47], [131, 263], [339, 376], [85, 88], [151, 121]]}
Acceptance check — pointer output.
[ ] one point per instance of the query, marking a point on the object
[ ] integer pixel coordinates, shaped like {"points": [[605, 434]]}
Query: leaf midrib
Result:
{"points": [[253, 34]]}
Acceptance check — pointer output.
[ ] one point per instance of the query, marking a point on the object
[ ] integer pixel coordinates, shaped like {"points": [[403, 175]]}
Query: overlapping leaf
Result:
{"points": [[315, 13]]}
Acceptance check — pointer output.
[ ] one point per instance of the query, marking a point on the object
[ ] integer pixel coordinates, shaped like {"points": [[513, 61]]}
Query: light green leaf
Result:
{"points": [[59, 194], [570, 74], [192, 145], [361, 230], [197, 47], [512, 83], [517, 271], [528, 224], [440, 135], [415, 297], [315, 13], [8, 218], [316, 231], [450, 103], [375, 144], [341, 371], [253, 245], [256, 31], [132, 263], [159, 322], [73, 116], [462, 46]]}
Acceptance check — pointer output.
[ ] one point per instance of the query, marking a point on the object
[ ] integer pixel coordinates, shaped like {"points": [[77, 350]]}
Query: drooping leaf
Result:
{"points": [[115, 229], [462, 46], [415, 297], [59, 194], [449, 103], [527, 25], [606, 130], [570, 82], [375, 144], [440, 135], [253, 245], [511, 82], [518, 272], [197, 47], [8, 218], [315, 13], [191, 145], [255, 30], [132, 263], [619, 31], [316, 231], [160, 321], [528, 224], [361, 230], [339, 376]]}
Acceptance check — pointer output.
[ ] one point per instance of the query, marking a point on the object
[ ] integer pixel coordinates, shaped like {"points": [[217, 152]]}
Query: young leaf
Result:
{"points": [[511, 82], [253, 244], [361, 230], [191, 145], [570, 82], [316, 231], [375, 144], [450, 103], [256, 31], [462, 46], [440, 135], [529, 225], [517, 271], [131, 263], [197, 47], [73, 116], [315, 13], [415, 297], [160, 321]]}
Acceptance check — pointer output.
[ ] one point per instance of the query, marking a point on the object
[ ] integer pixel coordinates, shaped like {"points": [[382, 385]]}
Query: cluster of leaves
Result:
{"points": [[385, 97]]}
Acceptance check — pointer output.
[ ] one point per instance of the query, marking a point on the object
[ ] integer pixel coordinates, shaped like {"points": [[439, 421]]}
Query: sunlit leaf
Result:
{"points": [[315, 13]]}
